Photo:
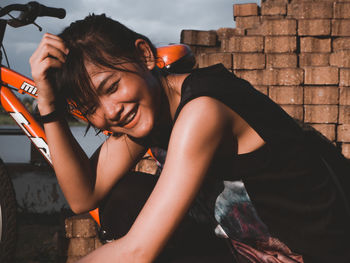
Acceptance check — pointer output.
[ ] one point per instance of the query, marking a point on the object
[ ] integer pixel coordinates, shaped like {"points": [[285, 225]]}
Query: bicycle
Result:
{"points": [[175, 58]]}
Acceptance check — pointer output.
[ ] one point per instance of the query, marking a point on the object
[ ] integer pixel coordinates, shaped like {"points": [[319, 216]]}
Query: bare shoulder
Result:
{"points": [[205, 110], [203, 121]]}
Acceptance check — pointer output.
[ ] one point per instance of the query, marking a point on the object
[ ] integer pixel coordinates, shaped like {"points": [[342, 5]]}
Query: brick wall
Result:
{"points": [[295, 51]]}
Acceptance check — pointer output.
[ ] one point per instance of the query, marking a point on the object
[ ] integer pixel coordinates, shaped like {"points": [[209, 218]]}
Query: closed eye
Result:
{"points": [[113, 88]]}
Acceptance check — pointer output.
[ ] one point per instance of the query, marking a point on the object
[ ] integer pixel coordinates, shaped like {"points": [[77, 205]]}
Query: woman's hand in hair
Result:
{"points": [[51, 53]]}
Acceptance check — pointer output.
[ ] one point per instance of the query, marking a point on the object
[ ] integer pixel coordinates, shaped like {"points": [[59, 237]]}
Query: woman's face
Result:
{"points": [[127, 100]]}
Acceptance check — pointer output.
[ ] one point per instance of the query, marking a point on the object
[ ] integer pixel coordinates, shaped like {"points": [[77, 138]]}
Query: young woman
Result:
{"points": [[237, 165]]}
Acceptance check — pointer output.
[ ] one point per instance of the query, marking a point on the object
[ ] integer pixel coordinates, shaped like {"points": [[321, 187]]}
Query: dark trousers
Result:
{"points": [[192, 242]]}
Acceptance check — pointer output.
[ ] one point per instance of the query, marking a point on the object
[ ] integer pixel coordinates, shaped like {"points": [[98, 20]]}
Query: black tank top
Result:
{"points": [[286, 180]]}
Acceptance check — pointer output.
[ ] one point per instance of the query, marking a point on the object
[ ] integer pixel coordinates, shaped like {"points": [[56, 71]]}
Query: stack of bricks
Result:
{"points": [[83, 238], [295, 51]]}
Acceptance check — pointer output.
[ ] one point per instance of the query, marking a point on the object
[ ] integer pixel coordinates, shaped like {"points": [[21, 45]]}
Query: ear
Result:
{"points": [[145, 51]]}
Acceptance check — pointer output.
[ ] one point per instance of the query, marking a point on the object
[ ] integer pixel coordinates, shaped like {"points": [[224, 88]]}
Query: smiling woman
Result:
{"points": [[241, 179]]}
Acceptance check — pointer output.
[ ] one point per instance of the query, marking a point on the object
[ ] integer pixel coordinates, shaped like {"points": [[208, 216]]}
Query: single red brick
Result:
{"points": [[246, 44], [198, 37], [314, 27], [80, 246], [295, 111], [255, 77], [327, 130], [311, 9], [344, 77], [245, 10], [341, 27], [314, 59], [247, 22], [207, 59], [321, 95], [346, 150], [344, 114], [341, 10], [286, 94], [343, 133], [80, 226], [321, 75], [281, 44], [279, 27], [226, 32], [321, 113], [262, 89], [317, 45], [281, 60], [284, 76], [341, 43], [203, 49], [249, 61], [340, 59], [344, 96], [273, 8]]}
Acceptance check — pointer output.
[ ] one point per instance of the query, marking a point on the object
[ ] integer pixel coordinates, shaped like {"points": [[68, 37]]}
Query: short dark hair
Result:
{"points": [[100, 40]]}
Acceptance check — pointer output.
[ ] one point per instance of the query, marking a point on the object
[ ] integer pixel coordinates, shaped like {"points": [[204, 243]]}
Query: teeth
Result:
{"points": [[130, 117]]}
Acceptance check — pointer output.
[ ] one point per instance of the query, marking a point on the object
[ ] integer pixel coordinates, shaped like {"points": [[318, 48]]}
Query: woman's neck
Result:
{"points": [[172, 85]]}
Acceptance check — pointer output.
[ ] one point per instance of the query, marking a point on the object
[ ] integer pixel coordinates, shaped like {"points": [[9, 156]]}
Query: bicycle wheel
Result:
{"points": [[7, 217]]}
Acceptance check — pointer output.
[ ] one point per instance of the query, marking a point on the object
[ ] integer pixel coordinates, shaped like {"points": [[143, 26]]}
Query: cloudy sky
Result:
{"points": [[161, 20]]}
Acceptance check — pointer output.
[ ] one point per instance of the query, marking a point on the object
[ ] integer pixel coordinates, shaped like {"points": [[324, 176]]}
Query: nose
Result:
{"points": [[112, 111]]}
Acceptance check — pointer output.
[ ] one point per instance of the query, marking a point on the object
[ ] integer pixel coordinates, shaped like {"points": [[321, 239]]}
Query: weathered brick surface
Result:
{"points": [[80, 226], [344, 96], [249, 61], [147, 165], [314, 27], [255, 77], [262, 89], [321, 95], [247, 21], [310, 9], [344, 77], [245, 10], [328, 130], [343, 132], [314, 59], [317, 45], [341, 27], [341, 43], [286, 94], [80, 246], [281, 60], [198, 37], [296, 111], [245, 44], [287, 77], [346, 150], [279, 27], [321, 75], [226, 32], [344, 114], [340, 59], [271, 8], [341, 10], [281, 44], [321, 113]]}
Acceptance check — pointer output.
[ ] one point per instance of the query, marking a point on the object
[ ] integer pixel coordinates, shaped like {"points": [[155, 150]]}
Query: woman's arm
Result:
{"points": [[200, 129], [83, 182]]}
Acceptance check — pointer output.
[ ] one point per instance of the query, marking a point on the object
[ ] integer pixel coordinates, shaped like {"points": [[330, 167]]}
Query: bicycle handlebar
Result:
{"points": [[48, 11], [29, 12]]}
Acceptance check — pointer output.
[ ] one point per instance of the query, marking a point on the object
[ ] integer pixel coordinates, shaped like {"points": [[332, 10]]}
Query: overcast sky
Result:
{"points": [[160, 20]]}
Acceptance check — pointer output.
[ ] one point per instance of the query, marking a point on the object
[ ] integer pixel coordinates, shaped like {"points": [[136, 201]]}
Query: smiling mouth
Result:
{"points": [[129, 118]]}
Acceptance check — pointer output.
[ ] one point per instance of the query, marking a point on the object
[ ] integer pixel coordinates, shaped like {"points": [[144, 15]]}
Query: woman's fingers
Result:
{"points": [[50, 51]]}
